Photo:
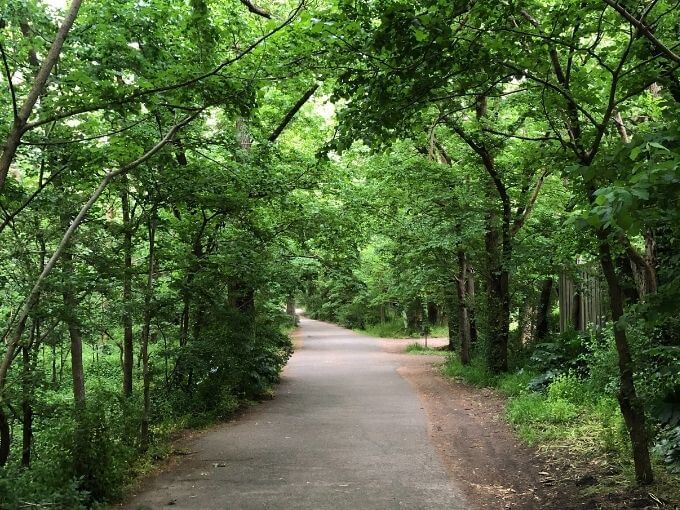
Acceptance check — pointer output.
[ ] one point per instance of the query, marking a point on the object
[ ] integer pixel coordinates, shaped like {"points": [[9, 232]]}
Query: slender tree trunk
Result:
{"points": [[5, 437], [54, 365], [81, 434], [631, 406], [432, 313], [62, 358], [27, 375], [463, 319], [71, 318], [73, 325], [498, 295], [146, 329], [450, 301], [290, 309], [184, 322], [544, 302], [526, 323], [27, 403], [128, 347], [470, 291]]}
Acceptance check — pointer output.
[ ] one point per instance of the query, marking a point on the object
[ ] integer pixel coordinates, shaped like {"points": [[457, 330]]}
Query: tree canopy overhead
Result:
{"points": [[175, 175]]}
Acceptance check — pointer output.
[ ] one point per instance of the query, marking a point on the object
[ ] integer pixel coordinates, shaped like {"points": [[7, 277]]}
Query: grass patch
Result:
{"points": [[395, 329], [439, 332], [475, 373], [568, 414], [417, 348]]}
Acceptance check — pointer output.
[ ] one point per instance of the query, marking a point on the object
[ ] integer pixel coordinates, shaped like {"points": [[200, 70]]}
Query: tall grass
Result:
{"points": [[569, 413], [395, 329]]}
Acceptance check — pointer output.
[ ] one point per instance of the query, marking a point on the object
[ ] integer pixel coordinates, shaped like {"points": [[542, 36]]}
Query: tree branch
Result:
{"points": [[167, 88], [644, 30], [291, 113], [16, 332], [8, 73], [14, 137], [520, 137], [256, 10], [524, 214]]}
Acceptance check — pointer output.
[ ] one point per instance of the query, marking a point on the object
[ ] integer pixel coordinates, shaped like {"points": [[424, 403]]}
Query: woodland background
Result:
{"points": [[175, 174]]}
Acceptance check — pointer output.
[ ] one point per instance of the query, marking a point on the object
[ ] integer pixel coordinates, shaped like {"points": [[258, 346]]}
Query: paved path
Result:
{"points": [[344, 432]]}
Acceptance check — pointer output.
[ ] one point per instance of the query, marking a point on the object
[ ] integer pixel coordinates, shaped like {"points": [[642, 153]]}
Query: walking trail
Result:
{"points": [[345, 431]]}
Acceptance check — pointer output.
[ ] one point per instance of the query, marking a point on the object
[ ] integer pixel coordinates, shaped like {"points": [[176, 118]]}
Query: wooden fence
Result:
{"points": [[582, 299]]}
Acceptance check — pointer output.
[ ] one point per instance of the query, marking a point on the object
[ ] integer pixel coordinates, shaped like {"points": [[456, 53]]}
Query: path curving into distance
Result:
{"points": [[345, 431]]}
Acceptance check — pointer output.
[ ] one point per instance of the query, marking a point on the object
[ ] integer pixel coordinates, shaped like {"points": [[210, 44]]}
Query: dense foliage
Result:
{"points": [[173, 174], [512, 145], [165, 307]]}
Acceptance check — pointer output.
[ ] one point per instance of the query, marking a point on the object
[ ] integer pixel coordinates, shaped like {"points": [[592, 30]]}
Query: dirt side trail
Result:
{"points": [[491, 466], [478, 447]]}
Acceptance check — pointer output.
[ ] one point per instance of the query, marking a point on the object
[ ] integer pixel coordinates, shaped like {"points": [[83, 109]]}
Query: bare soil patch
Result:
{"points": [[482, 454]]}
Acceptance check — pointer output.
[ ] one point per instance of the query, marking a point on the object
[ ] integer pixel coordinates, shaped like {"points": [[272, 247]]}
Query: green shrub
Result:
{"points": [[516, 383], [389, 329], [601, 359], [668, 448], [418, 348], [39, 487], [612, 435], [570, 388], [534, 408], [475, 373]]}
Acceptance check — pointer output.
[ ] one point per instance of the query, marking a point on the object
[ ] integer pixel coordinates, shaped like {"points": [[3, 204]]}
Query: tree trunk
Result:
{"points": [[128, 347], [413, 317], [470, 291], [54, 366], [184, 322], [631, 406], [432, 313], [544, 302], [27, 405], [5, 437], [80, 453], [450, 301], [146, 329], [463, 319], [73, 325], [290, 309], [526, 323], [498, 302]]}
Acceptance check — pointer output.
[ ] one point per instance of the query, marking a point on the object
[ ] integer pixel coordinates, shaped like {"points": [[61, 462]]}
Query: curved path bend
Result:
{"points": [[345, 431]]}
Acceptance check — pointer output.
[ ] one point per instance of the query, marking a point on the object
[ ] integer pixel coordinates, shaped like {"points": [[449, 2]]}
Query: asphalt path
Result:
{"points": [[345, 431]]}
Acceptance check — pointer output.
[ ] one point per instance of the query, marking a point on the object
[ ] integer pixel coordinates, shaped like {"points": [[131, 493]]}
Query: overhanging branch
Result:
{"points": [[291, 113], [256, 10]]}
